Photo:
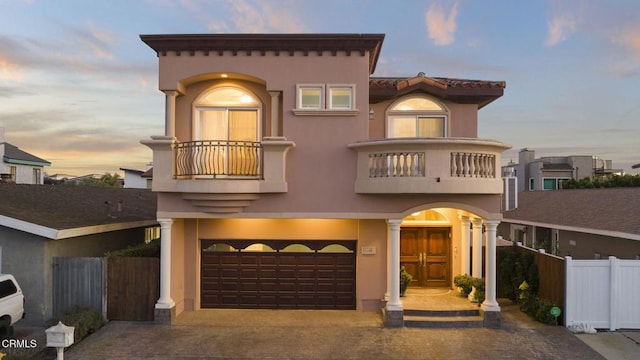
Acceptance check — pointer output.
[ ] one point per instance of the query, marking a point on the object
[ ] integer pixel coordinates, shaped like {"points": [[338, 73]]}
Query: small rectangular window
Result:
{"points": [[549, 184], [531, 185], [340, 97], [310, 97]]}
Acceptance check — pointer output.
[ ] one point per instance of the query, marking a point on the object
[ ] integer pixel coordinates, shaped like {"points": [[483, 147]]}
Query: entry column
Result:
{"points": [[490, 303], [464, 244], [165, 307], [476, 268], [394, 312]]}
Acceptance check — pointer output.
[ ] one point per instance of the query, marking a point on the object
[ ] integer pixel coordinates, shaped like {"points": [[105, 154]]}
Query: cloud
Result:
{"points": [[560, 27], [260, 17], [440, 26]]}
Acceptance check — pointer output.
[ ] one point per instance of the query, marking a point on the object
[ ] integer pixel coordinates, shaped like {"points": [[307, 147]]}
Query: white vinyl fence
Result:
{"points": [[603, 293]]}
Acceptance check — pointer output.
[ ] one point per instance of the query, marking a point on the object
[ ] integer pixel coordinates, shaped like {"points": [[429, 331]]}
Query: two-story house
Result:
{"points": [[288, 178], [19, 166]]}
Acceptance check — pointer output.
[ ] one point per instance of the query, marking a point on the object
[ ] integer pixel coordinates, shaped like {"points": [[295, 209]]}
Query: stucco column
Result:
{"points": [[170, 113], [393, 233], [165, 301], [490, 303], [275, 112], [464, 244], [476, 270]]}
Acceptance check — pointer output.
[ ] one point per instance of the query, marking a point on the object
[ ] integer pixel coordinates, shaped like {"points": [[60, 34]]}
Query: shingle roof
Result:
{"points": [[481, 92], [67, 207], [14, 155], [611, 209]]}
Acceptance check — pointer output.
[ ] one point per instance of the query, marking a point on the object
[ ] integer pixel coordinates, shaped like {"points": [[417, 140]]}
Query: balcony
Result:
{"points": [[429, 166], [219, 176]]}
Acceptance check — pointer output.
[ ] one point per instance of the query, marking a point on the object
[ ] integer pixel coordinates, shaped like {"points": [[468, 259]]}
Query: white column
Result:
{"points": [[170, 113], [490, 303], [387, 293], [464, 244], [165, 301], [393, 272], [476, 270], [275, 112]]}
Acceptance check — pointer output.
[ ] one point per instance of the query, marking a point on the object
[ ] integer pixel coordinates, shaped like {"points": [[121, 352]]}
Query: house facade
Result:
{"points": [[289, 178], [550, 172], [18, 166]]}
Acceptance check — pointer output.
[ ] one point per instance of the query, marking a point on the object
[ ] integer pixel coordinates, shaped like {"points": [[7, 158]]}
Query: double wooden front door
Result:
{"points": [[426, 254]]}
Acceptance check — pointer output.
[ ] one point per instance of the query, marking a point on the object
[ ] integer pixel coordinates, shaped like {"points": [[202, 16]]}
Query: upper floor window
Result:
{"points": [[228, 114], [417, 117], [327, 98]]}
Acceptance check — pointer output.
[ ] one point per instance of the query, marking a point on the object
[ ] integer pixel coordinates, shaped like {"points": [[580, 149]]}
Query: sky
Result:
{"points": [[79, 89]]}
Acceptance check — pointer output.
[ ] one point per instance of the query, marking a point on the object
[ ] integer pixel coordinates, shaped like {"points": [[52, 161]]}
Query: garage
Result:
{"points": [[278, 274]]}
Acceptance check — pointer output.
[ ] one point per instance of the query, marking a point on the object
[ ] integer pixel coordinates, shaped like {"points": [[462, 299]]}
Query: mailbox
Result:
{"points": [[60, 336]]}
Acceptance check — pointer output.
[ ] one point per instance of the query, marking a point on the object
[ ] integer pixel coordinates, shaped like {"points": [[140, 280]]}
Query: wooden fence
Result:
{"points": [[133, 287], [119, 287]]}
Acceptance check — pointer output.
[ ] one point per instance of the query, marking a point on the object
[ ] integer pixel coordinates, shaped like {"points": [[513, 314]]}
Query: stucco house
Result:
{"points": [[41, 222], [581, 223], [19, 166], [290, 178]]}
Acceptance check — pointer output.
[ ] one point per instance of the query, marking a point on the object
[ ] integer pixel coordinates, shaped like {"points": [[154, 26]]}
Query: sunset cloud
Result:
{"points": [[560, 27], [441, 26]]}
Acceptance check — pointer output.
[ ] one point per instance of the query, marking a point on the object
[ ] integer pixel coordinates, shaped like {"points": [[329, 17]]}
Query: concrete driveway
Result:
{"points": [[271, 334]]}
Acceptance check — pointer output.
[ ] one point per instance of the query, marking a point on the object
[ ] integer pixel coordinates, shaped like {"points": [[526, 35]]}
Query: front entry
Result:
{"points": [[425, 253]]}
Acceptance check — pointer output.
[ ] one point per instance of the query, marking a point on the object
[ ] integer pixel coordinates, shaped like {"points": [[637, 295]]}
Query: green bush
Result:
{"points": [[85, 320], [151, 249], [543, 312], [464, 282], [479, 294]]}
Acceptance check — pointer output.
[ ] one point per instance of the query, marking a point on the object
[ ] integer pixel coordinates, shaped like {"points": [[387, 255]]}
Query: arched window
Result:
{"points": [[226, 130], [417, 117], [226, 113]]}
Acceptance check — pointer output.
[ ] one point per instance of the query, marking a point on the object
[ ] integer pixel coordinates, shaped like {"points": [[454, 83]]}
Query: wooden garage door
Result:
{"points": [[275, 274]]}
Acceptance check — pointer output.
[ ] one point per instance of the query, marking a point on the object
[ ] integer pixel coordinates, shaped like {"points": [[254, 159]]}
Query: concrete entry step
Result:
{"points": [[442, 313]]}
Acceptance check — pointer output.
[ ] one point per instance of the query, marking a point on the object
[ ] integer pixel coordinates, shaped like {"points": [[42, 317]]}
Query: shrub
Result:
{"points": [[86, 321], [464, 282], [543, 312], [479, 294], [151, 249]]}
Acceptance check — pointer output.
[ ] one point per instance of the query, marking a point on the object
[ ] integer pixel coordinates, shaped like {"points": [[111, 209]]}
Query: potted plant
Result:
{"points": [[465, 283], [405, 280]]}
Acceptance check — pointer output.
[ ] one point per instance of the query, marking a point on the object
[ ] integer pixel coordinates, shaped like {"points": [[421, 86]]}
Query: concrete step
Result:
{"points": [[442, 313], [443, 322]]}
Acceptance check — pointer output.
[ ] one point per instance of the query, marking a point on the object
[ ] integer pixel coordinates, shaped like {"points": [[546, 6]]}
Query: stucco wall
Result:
{"points": [[23, 255], [586, 245]]}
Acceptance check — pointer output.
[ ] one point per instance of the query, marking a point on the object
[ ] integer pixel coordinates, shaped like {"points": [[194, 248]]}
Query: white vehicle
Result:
{"points": [[11, 304]]}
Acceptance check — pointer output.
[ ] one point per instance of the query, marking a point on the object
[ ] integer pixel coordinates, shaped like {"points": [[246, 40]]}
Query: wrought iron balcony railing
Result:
{"points": [[218, 158]]}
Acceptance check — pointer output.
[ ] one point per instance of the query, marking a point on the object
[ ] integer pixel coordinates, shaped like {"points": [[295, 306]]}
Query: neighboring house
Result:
{"points": [[18, 166], [287, 177], [38, 223], [581, 223], [137, 179], [550, 172]]}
